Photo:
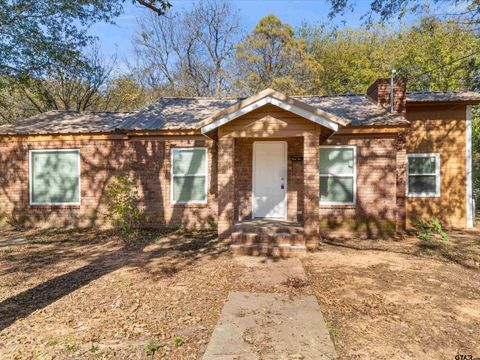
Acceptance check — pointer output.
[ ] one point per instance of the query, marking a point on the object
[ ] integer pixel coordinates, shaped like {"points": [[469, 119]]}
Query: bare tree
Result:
{"points": [[75, 85], [187, 53]]}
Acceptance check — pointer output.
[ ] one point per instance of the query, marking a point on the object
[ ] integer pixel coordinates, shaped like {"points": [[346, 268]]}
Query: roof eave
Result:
{"points": [[442, 102]]}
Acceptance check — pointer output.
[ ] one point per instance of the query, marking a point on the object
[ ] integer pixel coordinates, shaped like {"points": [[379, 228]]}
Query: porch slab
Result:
{"points": [[270, 326]]}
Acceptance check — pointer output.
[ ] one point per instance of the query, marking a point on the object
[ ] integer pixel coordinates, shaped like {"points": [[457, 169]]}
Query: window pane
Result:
{"points": [[191, 161], [191, 188], [425, 184], [55, 177], [421, 165], [336, 189], [336, 161]]}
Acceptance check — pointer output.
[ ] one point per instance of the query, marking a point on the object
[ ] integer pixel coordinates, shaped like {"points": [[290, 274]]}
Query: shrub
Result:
{"points": [[427, 229], [151, 347], [178, 341], [17, 222], [123, 197]]}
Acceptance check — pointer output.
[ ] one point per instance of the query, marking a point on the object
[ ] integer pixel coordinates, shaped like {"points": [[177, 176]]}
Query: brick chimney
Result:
{"points": [[379, 92]]}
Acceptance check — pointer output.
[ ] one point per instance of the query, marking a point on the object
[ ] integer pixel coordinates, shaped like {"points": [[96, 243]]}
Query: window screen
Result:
{"points": [[337, 175], [423, 174], [189, 175], [55, 177]]}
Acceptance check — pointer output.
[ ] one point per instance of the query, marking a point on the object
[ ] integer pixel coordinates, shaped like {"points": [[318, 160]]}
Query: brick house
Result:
{"points": [[274, 172]]}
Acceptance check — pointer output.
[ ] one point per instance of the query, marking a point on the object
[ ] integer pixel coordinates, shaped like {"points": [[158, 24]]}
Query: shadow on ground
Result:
{"points": [[186, 249], [462, 247]]}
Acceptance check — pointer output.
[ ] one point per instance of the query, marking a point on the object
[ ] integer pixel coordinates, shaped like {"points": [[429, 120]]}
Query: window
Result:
{"points": [[423, 175], [189, 176], [55, 177], [337, 174]]}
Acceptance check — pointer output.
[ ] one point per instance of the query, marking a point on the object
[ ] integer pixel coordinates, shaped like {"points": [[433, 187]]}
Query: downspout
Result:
{"points": [[392, 92]]}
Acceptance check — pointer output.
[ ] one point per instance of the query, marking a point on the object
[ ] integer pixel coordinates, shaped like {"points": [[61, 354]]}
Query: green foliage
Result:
{"points": [[211, 223], [124, 93], [93, 349], [43, 65], [351, 59], [427, 229], [466, 12], [434, 44], [123, 198], [36, 33], [17, 221], [178, 341], [272, 56], [152, 347]]}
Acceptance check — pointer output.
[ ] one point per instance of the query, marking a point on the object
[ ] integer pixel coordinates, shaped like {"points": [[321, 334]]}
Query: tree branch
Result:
{"points": [[160, 10]]}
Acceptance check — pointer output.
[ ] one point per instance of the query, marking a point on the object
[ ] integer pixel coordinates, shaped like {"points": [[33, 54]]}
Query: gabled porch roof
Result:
{"points": [[270, 96]]}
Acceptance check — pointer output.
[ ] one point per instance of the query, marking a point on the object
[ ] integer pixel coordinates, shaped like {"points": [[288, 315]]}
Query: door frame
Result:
{"points": [[285, 197]]}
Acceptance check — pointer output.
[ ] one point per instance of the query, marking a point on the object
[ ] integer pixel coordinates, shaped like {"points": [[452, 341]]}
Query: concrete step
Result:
{"points": [[268, 227], [251, 238], [268, 250]]}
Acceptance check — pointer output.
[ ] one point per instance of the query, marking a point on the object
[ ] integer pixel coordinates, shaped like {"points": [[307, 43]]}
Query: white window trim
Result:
{"points": [[30, 182], [436, 174], [354, 175], [196, 202]]}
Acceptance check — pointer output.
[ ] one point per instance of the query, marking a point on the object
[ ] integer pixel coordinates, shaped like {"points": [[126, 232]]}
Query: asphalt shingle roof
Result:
{"points": [[359, 109], [61, 122], [175, 113], [443, 96], [187, 113]]}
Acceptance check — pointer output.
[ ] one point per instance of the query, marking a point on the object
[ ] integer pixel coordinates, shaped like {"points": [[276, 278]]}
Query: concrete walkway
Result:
{"points": [[270, 326], [267, 272]]}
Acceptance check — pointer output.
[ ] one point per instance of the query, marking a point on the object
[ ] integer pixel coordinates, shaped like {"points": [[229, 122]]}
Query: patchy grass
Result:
{"points": [[404, 299]]}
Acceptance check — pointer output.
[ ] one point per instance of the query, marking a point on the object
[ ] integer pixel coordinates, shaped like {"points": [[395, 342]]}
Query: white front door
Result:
{"points": [[270, 179]]}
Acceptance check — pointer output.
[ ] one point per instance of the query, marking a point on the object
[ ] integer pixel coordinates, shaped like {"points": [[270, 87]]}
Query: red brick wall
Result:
{"points": [[243, 178], [147, 159], [226, 187], [374, 213], [379, 91]]}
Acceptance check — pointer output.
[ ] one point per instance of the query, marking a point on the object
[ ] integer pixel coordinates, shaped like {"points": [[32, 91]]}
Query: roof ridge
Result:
{"points": [[243, 97], [88, 112], [201, 98]]}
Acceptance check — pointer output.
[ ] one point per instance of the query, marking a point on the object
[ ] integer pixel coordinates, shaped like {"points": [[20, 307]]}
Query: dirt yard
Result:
{"points": [[89, 295], [400, 300], [82, 294]]}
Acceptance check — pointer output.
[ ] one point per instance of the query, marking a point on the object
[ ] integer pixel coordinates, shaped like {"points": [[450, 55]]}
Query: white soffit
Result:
{"points": [[281, 104]]}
